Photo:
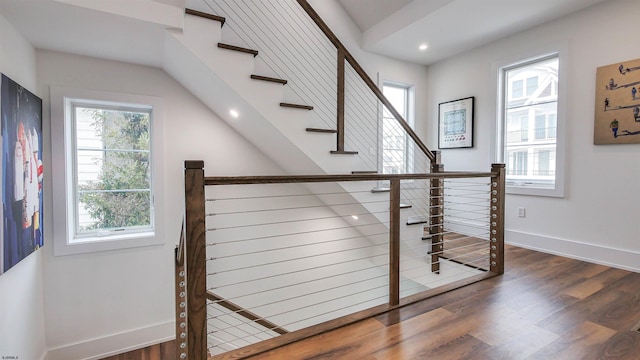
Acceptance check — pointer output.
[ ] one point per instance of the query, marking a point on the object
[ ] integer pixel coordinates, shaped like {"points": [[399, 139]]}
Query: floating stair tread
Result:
{"points": [[205, 15], [296, 106], [238, 48], [415, 220], [364, 172], [271, 79], [405, 206], [328, 131], [380, 190], [344, 152]]}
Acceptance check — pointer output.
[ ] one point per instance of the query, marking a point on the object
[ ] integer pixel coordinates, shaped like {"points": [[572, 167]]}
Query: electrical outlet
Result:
{"points": [[521, 212]]}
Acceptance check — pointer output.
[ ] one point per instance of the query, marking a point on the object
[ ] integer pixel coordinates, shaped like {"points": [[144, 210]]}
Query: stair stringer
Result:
{"points": [[229, 70]]}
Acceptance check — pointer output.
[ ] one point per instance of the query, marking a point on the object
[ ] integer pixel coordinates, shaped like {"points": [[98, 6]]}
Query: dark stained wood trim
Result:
{"points": [[364, 172], [497, 218], [238, 48], [195, 234], [206, 15], [298, 335], [394, 243], [436, 225], [340, 101], [416, 221], [343, 152], [328, 131], [180, 247], [296, 106], [246, 313], [380, 190], [365, 77], [237, 180], [270, 79]]}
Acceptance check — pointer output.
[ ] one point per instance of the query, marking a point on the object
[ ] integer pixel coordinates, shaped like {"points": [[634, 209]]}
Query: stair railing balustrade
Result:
{"points": [[295, 44], [274, 259]]}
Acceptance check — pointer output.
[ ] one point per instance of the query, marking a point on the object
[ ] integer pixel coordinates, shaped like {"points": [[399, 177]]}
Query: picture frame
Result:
{"points": [[22, 167], [455, 123], [617, 104]]}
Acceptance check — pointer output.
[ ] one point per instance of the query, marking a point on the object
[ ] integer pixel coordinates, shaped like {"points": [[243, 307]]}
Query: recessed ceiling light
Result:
{"points": [[354, 217], [423, 47], [234, 113]]}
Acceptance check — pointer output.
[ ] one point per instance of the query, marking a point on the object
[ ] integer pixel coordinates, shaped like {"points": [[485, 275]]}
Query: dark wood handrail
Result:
{"points": [[180, 247], [237, 180], [246, 313], [343, 52]]}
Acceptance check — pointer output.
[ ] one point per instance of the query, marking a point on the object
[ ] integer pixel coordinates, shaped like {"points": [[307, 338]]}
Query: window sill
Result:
{"points": [[106, 243], [534, 191]]}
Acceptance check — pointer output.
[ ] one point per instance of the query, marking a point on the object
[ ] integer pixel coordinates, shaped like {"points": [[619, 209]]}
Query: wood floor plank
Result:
{"points": [[578, 343], [543, 307], [326, 343], [519, 346], [595, 283], [623, 345]]}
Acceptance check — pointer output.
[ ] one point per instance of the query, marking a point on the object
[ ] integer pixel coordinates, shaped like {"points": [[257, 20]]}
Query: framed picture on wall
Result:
{"points": [[21, 113], [617, 112], [455, 124]]}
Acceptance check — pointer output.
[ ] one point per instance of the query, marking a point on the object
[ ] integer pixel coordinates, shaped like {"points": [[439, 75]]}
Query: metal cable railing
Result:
{"points": [[292, 45], [283, 254]]}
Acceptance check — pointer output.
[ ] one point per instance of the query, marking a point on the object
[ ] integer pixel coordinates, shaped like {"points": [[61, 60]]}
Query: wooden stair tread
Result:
{"points": [[267, 78], [380, 190], [415, 220], [406, 206], [344, 152], [238, 48], [329, 131], [205, 15], [296, 106]]}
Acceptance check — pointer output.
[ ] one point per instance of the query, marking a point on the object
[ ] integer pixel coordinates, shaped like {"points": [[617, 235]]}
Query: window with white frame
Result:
{"points": [[396, 152], [529, 122], [111, 169], [105, 196]]}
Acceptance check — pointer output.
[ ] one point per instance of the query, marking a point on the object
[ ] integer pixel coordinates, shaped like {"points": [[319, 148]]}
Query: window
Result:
{"points": [[396, 152], [529, 116], [104, 190], [111, 169]]}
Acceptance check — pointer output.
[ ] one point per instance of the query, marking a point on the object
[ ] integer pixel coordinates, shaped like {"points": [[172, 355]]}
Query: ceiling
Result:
{"points": [[396, 28], [393, 28]]}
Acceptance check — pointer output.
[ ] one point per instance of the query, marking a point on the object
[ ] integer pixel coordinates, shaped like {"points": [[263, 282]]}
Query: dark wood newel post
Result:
{"points": [[195, 259], [436, 220], [394, 243], [340, 104], [496, 236]]}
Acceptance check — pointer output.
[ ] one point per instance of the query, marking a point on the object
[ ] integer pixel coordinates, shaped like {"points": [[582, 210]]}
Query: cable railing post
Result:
{"points": [[181, 300], [195, 260], [497, 218], [340, 104], [394, 243], [436, 221]]}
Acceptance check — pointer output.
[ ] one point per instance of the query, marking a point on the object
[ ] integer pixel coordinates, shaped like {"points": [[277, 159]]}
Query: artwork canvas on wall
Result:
{"points": [[617, 113], [22, 173]]}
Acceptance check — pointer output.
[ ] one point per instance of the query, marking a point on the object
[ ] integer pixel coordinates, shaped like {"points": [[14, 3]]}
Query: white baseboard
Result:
{"points": [[115, 344], [598, 254]]}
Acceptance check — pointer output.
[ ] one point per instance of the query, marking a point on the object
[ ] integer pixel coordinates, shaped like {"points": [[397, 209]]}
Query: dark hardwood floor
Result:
{"points": [[544, 307]]}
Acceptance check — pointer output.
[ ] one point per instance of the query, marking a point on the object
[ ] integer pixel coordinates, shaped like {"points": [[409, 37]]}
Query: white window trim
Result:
{"points": [[62, 171], [561, 50]]}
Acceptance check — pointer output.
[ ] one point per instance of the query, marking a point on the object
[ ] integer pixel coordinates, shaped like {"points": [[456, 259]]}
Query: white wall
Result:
{"points": [[21, 302], [597, 218], [100, 302]]}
